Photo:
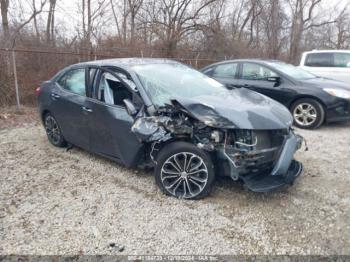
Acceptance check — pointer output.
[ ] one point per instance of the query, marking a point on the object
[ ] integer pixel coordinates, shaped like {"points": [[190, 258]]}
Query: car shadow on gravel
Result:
{"points": [[227, 188], [344, 124], [224, 188]]}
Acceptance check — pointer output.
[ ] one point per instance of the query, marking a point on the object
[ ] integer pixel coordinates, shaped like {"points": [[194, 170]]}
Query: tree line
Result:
{"points": [[193, 29], [278, 29]]}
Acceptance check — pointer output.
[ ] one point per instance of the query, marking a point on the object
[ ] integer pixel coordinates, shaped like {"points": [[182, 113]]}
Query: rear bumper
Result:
{"points": [[282, 172]]}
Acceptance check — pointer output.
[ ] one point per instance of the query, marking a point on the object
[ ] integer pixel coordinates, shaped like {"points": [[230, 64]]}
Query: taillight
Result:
{"points": [[38, 90]]}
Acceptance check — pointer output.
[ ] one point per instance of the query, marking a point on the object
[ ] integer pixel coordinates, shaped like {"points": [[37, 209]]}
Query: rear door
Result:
{"points": [[109, 122], [226, 74], [68, 98], [254, 77]]}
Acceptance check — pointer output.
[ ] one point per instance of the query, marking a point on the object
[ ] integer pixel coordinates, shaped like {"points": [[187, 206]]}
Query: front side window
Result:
{"points": [[225, 70], [74, 81], [111, 91], [341, 59], [252, 71], [319, 60], [166, 81], [292, 71]]}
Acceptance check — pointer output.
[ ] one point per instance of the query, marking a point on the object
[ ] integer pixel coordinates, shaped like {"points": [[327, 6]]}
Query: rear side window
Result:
{"points": [[225, 70], [74, 81], [341, 60], [319, 60]]}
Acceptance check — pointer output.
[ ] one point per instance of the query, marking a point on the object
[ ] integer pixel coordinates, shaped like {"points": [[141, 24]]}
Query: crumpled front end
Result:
{"points": [[262, 159]]}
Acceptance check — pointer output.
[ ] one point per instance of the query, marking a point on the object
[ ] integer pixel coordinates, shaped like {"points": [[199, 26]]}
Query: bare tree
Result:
{"points": [[26, 21], [342, 28], [4, 5], [50, 24], [175, 19], [89, 24], [115, 16], [302, 19], [273, 19], [93, 15], [35, 22], [245, 22], [256, 8], [134, 7]]}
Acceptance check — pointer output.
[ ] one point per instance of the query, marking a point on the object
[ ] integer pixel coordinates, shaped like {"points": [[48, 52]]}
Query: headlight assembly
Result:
{"points": [[338, 92]]}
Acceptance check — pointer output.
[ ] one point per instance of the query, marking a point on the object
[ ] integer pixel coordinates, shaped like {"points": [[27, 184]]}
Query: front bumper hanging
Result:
{"points": [[285, 169]]}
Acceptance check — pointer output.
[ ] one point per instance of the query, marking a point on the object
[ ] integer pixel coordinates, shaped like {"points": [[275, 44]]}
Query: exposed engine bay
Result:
{"points": [[263, 159]]}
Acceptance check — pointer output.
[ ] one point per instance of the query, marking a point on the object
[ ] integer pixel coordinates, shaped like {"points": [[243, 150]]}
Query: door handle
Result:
{"points": [[55, 96], [87, 109]]}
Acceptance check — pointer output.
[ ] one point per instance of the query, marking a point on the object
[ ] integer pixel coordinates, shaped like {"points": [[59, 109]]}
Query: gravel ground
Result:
{"points": [[58, 202]]}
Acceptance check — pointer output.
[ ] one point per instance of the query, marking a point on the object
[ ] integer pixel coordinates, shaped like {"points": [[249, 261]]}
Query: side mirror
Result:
{"points": [[130, 108], [275, 79]]}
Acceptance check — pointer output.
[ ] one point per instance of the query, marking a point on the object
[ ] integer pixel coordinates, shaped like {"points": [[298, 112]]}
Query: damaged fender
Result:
{"points": [[150, 129]]}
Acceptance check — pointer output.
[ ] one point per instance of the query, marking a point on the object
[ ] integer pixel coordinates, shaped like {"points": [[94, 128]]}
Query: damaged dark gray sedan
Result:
{"points": [[161, 114]]}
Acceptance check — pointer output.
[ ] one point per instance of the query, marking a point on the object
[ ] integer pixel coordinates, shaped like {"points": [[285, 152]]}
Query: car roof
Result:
{"points": [[255, 60], [327, 51], [127, 62]]}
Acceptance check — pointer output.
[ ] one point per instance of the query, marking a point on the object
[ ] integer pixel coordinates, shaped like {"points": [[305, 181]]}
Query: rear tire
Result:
{"points": [[53, 131], [307, 113], [184, 171]]}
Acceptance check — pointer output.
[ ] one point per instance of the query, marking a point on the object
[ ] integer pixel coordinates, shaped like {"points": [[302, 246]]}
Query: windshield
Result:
{"points": [[167, 81], [292, 71]]}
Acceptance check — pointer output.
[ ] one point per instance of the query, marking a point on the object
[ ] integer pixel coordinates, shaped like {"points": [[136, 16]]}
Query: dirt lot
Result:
{"points": [[58, 202]]}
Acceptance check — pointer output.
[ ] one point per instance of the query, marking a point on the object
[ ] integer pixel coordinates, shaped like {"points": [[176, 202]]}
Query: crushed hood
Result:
{"points": [[239, 108]]}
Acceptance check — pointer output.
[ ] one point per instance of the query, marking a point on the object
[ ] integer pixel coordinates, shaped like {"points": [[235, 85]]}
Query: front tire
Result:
{"points": [[184, 171], [53, 131], [307, 113]]}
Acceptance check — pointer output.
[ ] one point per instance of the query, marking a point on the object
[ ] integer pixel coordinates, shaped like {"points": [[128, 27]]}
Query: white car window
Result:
{"points": [[341, 60], [319, 60]]}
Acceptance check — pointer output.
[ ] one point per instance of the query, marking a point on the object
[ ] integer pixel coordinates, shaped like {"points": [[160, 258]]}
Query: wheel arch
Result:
{"points": [[162, 145], [185, 140], [43, 114], [309, 97]]}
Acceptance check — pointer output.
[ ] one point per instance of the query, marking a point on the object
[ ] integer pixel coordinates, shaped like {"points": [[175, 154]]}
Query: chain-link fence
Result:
{"points": [[23, 70]]}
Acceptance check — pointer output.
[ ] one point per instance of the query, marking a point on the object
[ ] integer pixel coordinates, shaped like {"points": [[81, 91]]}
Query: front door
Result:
{"points": [[255, 77], [109, 122]]}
